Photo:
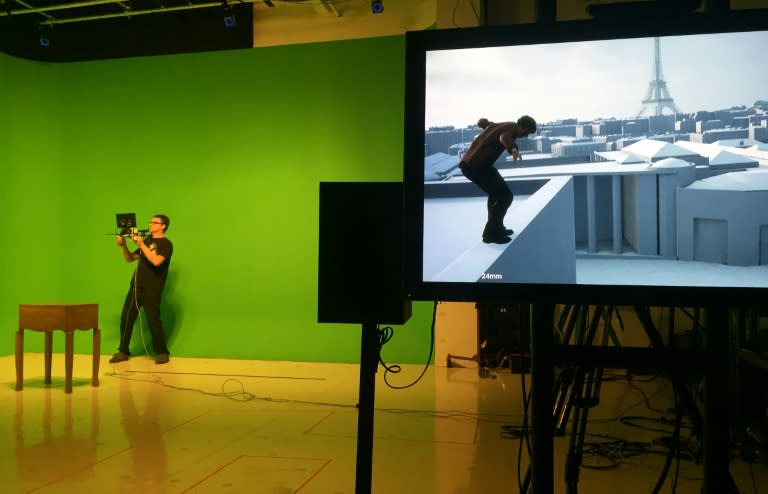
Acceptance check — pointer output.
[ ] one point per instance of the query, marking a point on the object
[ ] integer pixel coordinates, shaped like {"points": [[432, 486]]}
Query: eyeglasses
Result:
{"points": [[155, 222]]}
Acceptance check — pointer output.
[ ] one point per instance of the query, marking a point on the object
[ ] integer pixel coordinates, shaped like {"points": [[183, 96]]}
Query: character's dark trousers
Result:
{"points": [[499, 196], [136, 298]]}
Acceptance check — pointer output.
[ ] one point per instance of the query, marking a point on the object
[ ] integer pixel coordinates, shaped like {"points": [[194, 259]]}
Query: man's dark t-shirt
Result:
{"points": [[151, 277], [486, 147]]}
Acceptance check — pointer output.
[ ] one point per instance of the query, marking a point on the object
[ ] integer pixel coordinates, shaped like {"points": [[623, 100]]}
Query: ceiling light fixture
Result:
{"points": [[229, 17]]}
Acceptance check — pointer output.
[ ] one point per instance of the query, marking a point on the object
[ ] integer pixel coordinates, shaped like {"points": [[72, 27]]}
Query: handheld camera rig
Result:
{"points": [[126, 226]]}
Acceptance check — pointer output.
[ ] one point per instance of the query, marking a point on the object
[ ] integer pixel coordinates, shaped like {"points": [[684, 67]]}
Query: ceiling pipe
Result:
{"points": [[126, 12], [130, 13], [52, 8]]}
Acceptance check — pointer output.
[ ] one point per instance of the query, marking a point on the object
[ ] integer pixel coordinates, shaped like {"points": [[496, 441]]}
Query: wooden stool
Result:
{"points": [[48, 318]]}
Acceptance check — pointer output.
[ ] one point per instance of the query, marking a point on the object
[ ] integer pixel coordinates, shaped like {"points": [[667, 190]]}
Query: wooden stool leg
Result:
{"points": [[96, 356], [48, 355], [69, 351], [19, 360]]}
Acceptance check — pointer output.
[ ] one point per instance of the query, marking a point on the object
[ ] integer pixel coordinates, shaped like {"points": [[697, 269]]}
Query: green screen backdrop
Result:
{"points": [[231, 145]]}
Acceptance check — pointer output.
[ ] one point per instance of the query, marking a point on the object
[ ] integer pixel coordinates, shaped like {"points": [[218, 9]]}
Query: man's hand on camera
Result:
{"points": [[138, 240], [120, 241]]}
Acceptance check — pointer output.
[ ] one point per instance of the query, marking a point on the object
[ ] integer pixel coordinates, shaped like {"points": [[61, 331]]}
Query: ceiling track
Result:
{"points": [[126, 11]]}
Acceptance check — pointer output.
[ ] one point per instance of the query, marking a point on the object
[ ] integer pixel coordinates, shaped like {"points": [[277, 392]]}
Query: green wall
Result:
{"points": [[232, 146]]}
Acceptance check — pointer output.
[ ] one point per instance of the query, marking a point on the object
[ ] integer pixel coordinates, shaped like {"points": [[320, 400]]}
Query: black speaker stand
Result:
{"points": [[369, 360]]}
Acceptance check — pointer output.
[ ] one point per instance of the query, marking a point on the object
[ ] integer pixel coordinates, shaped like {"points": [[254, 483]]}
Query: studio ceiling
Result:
{"points": [[58, 30]]}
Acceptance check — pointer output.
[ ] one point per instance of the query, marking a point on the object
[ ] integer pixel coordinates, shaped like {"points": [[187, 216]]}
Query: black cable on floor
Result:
{"points": [[672, 450]]}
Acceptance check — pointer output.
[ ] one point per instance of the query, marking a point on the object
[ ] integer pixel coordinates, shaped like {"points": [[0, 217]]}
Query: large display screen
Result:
{"points": [[646, 179]]}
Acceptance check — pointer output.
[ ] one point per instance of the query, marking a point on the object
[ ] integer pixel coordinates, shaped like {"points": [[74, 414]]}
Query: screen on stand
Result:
{"points": [[645, 180]]}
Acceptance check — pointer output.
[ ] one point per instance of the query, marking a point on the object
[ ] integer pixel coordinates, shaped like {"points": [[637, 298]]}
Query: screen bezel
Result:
{"points": [[419, 43]]}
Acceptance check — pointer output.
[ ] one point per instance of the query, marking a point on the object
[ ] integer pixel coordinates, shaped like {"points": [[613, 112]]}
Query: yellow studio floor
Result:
{"points": [[236, 426]]}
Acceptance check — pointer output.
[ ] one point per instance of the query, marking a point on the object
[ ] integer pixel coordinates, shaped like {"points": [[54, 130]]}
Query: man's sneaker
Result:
{"points": [[118, 357], [162, 358], [496, 239]]}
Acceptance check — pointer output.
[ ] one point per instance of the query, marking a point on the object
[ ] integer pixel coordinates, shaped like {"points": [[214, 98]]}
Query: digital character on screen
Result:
{"points": [[153, 254], [477, 165]]}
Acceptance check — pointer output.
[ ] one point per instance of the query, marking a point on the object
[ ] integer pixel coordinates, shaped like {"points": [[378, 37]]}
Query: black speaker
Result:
{"points": [[360, 254]]}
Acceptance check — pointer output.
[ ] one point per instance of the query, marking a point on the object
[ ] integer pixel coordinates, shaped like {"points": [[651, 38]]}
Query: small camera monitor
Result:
{"points": [[125, 221]]}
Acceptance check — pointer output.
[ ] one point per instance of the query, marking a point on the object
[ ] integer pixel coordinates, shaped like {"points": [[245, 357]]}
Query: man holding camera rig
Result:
{"points": [[147, 283]]}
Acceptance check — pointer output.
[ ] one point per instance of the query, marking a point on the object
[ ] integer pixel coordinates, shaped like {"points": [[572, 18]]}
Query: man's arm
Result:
{"points": [[153, 257], [127, 254], [507, 139]]}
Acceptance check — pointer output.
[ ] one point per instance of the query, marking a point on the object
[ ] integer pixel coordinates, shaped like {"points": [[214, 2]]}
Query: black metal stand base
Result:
{"points": [[542, 401]]}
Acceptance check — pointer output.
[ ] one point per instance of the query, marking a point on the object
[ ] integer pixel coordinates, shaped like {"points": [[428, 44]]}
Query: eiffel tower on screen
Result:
{"points": [[657, 98]]}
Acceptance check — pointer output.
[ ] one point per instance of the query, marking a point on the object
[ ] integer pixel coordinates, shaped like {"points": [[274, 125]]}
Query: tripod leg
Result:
{"points": [[586, 395], [570, 389], [563, 400], [564, 390], [573, 458]]}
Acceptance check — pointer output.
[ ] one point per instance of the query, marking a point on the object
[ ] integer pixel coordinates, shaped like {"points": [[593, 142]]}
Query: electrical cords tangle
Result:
{"points": [[385, 334]]}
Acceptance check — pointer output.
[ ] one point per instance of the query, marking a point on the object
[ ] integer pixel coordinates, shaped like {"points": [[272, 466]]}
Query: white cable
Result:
{"points": [[136, 303]]}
